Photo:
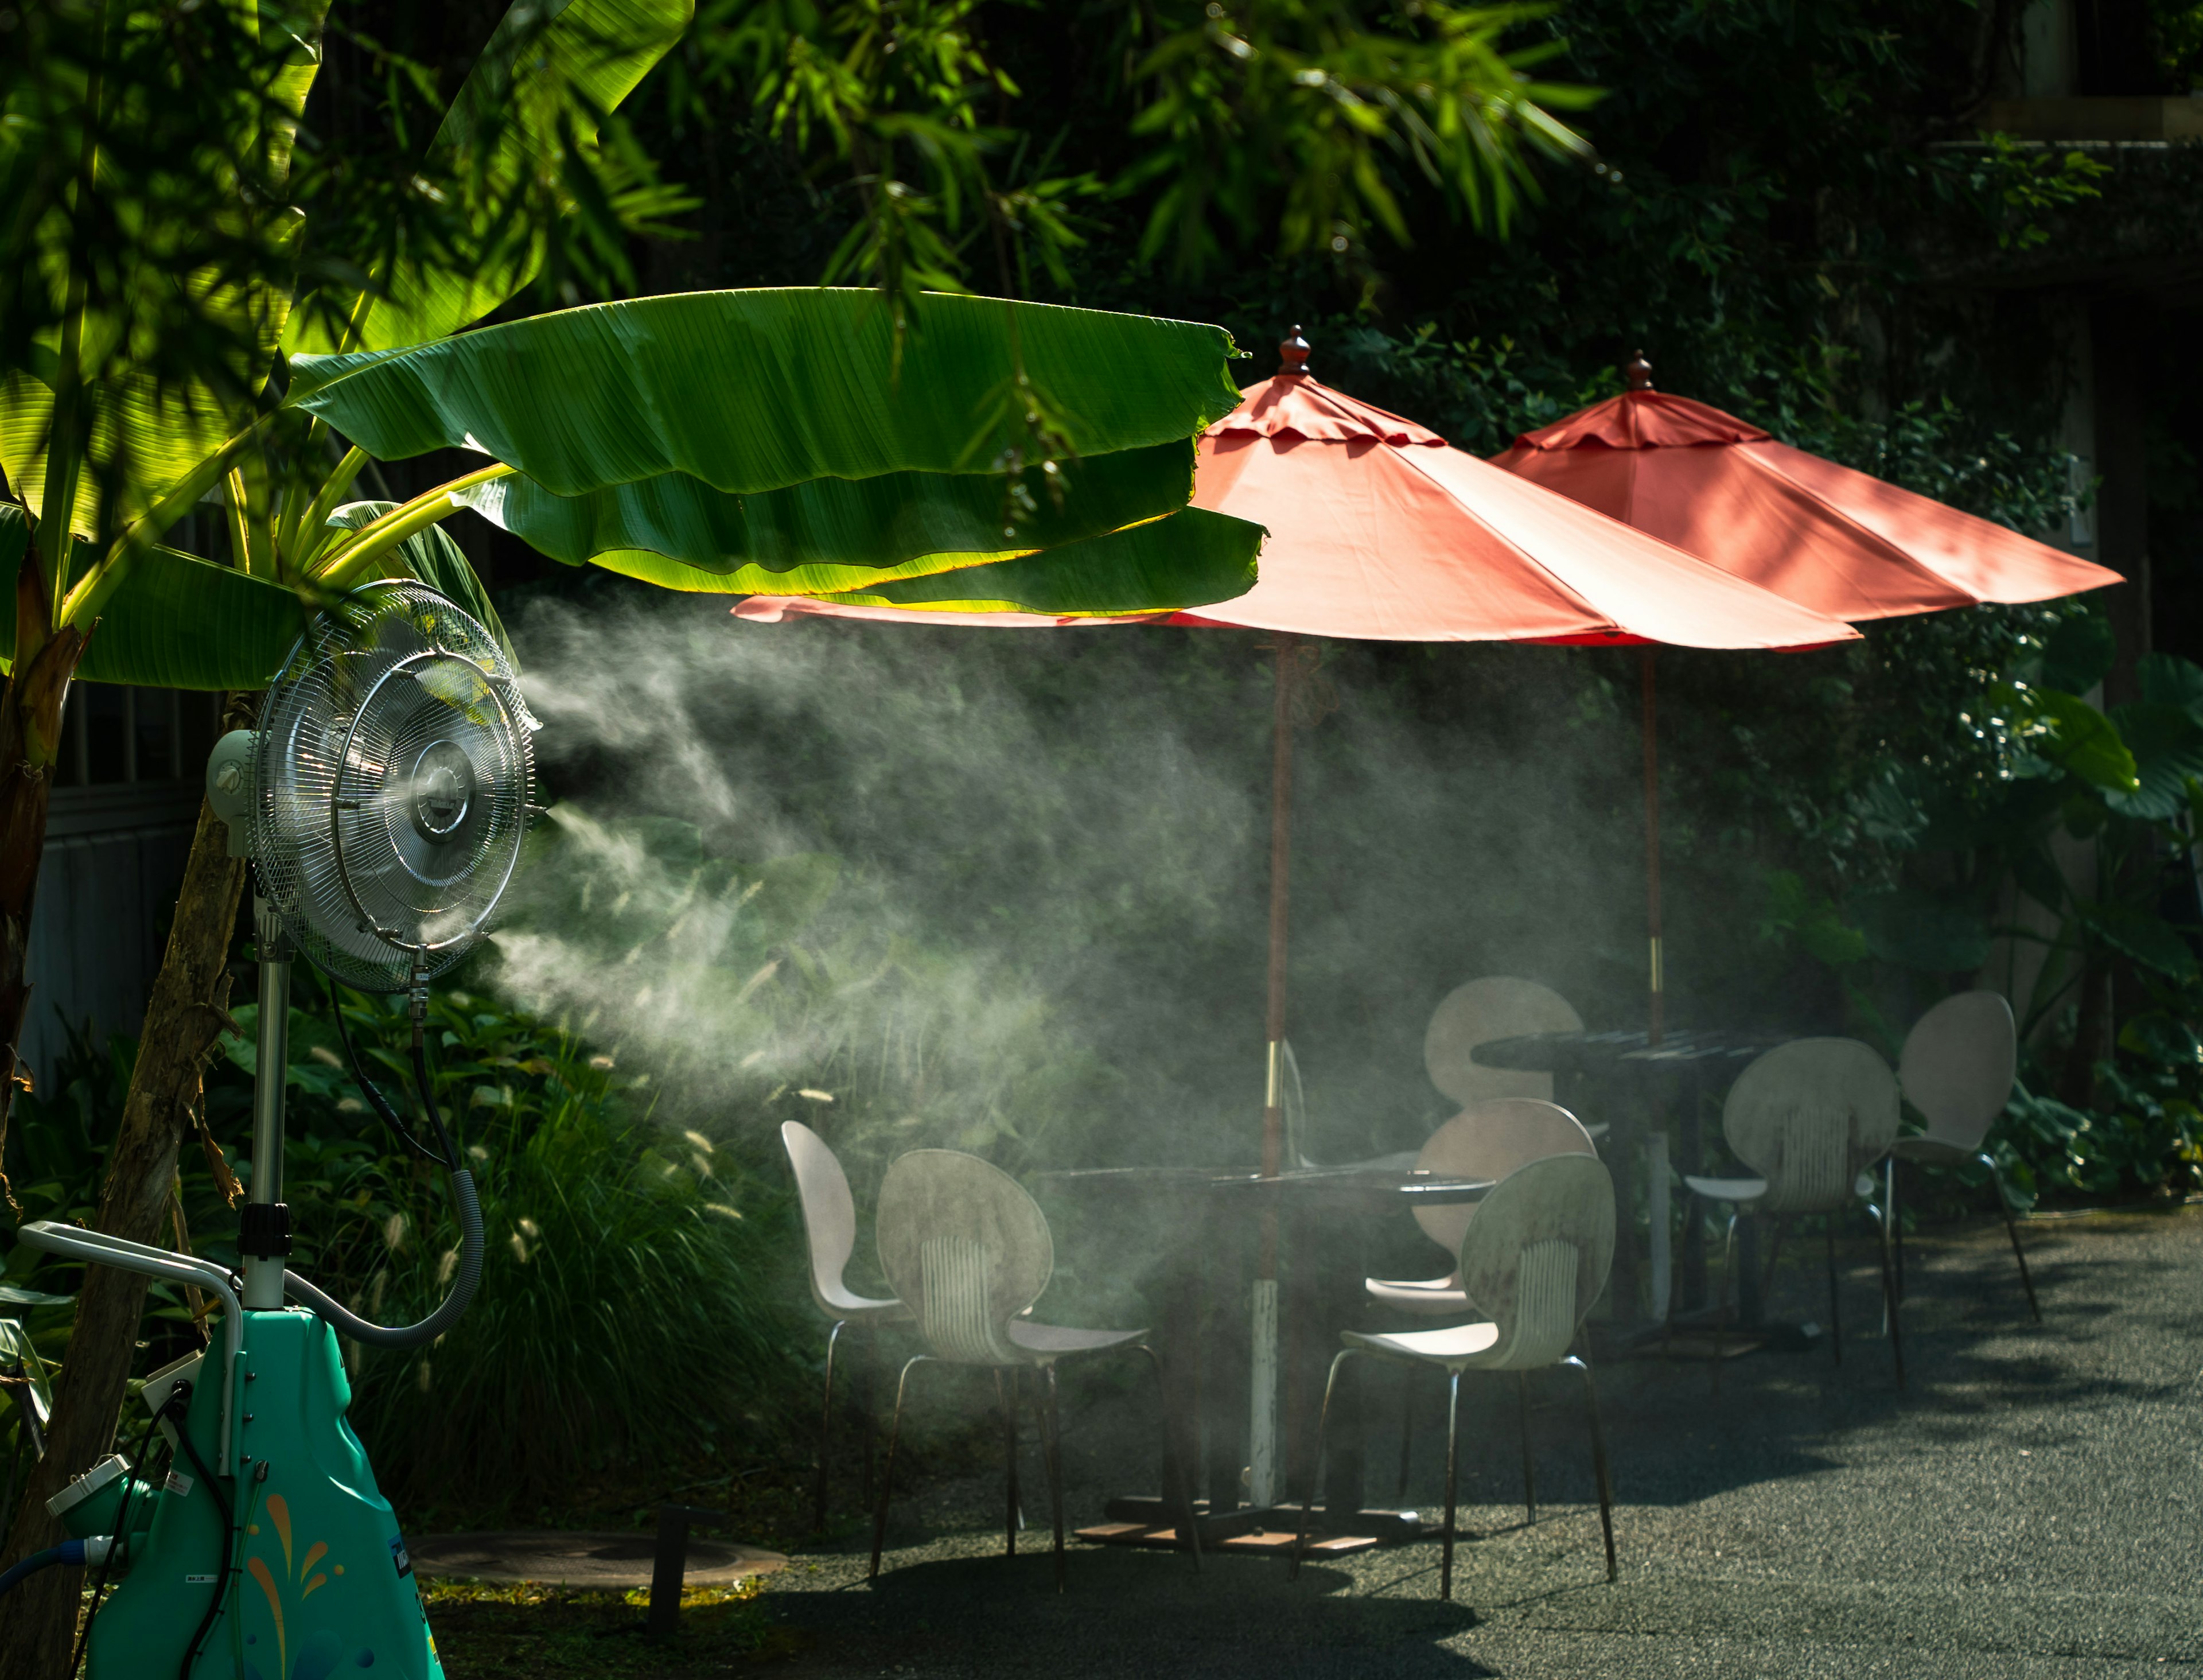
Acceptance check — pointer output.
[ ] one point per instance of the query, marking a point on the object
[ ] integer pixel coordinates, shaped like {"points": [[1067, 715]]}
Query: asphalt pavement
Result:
{"points": [[2030, 1504]]}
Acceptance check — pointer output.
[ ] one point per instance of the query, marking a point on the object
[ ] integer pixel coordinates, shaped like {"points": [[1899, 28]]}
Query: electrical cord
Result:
{"points": [[121, 1535], [345, 1322], [383, 1109], [230, 1542]]}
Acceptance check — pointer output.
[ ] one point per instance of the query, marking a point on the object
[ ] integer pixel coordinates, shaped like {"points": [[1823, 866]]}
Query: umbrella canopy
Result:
{"points": [[1841, 542], [1379, 530]]}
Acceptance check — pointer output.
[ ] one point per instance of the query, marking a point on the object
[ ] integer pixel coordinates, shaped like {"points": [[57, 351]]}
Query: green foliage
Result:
{"points": [[634, 1298], [628, 1301], [1300, 123]]}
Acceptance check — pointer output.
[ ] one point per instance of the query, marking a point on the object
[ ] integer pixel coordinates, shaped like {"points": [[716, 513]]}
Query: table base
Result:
{"points": [[1261, 1529]]}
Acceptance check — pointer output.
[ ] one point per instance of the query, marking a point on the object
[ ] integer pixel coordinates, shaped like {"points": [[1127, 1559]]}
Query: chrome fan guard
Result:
{"points": [[393, 782]]}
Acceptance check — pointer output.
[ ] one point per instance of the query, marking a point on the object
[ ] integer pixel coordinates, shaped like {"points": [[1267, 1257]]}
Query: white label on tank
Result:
{"points": [[179, 1484]]}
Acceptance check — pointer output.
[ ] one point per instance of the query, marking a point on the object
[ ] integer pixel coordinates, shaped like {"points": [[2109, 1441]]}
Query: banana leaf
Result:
{"points": [[839, 531], [531, 95], [759, 390], [1192, 558], [180, 623], [432, 558]]}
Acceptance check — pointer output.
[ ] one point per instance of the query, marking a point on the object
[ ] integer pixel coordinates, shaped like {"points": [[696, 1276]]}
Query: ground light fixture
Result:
{"points": [[382, 800]]}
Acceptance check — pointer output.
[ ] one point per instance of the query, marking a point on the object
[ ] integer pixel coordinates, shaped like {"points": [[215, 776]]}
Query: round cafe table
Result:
{"points": [[1194, 1233], [1652, 1097]]}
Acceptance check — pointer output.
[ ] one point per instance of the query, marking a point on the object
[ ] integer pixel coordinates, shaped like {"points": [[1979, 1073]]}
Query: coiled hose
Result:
{"points": [[343, 1319]]}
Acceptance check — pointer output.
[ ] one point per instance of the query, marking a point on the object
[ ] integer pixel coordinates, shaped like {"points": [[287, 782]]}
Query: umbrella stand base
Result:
{"points": [[1692, 1336], [1262, 1530]]}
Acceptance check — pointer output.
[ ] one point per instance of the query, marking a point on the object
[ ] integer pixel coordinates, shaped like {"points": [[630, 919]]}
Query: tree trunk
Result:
{"points": [[2094, 1036], [30, 741], [183, 1018]]}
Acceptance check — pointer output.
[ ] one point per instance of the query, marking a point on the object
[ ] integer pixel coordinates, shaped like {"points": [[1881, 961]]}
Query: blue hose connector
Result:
{"points": [[78, 1552]]}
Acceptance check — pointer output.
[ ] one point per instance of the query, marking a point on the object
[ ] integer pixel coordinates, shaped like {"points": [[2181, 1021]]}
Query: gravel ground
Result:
{"points": [[2029, 1505]]}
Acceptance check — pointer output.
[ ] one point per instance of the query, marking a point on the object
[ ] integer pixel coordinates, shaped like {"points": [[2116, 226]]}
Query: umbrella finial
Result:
{"points": [[1293, 353], [1639, 372]]}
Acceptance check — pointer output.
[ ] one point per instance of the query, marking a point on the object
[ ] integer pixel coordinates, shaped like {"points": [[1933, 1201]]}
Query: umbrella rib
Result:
{"points": [[1963, 597]]}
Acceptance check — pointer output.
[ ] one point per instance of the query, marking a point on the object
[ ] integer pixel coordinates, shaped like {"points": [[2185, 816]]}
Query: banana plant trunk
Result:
{"points": [[30, 744], [186, 1012]]}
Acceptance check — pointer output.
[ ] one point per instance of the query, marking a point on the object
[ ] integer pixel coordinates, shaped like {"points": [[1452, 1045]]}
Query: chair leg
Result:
{"points": [[1005, 1402], [1729, 1287], [868, 1406], [1054, 1426], [1522, 1426], [1598, 1458], [1407, 1432], [887, 1471], [2011, 1230], [1889, 1301], [1896, 1224], [1178, 1477], [1322, 1422], [1836, 1310], [826, 1430], [1774, 1254], [1453, 1468]]}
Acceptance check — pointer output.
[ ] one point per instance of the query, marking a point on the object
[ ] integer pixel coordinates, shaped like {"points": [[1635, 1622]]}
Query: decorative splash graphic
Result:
{"points": [[320, 1651]]}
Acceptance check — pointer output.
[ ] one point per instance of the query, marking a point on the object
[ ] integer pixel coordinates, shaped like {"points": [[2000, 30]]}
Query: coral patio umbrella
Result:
{"points": [[1837, 541], [1380, 531]]}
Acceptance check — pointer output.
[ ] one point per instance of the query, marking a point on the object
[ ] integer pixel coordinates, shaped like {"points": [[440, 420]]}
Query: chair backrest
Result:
{"points": [[1808, 1117], [1959, 1064], [966, 1249], [1537, 1255], [830, 1214], [1495, 1006], [1490, 1140]]}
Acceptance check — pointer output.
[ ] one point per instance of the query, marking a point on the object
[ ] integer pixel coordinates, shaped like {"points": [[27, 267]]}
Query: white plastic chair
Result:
{"points": [[1490, 1140], [1534, 1258], [1957, 1068], [830, 1231], [1495, 1006], [970, 1249], [1810, 1117]]}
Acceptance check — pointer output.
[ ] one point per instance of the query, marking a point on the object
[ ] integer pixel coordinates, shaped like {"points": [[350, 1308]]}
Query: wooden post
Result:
{"points": [[1262, 1423], [1655, 1005], [1281, 842]]}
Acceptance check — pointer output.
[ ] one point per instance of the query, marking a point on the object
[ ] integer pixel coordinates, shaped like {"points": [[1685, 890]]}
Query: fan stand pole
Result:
{"points": [[264, 1237]]}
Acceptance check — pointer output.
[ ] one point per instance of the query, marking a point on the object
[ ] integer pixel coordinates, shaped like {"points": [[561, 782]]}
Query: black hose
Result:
{"points": [[228, 1551], [384, 1110], [345, 1322], [428, 1089], [121, 1535]]}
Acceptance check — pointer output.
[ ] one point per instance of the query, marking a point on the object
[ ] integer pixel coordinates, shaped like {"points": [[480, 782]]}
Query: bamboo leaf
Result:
{"points": [[549, 71]]}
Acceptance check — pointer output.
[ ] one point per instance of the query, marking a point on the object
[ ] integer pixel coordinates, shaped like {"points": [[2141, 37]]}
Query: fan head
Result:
{"points": [[393, 780]]}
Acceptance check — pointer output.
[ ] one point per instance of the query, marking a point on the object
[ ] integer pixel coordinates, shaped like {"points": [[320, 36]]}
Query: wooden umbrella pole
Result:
{"points": [[1281, 846], [1654, 1010], [1264, 1480]]}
